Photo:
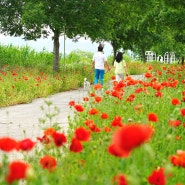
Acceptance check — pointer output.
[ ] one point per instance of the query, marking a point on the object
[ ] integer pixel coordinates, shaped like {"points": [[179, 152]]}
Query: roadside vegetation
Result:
{"points": [[26, 75], [130, 134]]}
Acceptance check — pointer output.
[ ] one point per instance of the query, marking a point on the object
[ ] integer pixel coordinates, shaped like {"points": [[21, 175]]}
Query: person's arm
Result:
{"points": [[107, 65], [114, 64], [125, 68], [126, 72]]}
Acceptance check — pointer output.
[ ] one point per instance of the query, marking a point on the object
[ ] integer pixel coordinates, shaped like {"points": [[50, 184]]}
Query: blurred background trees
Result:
{"points": [[126, 24]]}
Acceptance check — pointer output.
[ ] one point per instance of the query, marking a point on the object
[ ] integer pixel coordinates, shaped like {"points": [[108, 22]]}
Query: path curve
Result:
{"points": [[21, 121]]}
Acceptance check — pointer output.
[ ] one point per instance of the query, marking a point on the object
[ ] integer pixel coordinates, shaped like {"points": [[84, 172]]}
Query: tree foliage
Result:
{"points": [[138, 25], [37, 18], [174, 18], [10, 17]]}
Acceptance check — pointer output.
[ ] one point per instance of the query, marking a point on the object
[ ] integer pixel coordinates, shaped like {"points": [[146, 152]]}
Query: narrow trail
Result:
{"points": [[21, 121]]}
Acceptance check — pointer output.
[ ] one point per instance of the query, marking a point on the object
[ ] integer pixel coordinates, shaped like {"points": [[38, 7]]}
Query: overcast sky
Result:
{"points": [[40, 44]]}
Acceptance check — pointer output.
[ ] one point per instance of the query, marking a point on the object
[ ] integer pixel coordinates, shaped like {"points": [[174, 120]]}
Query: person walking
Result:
{"points": [[120, 67], [99, 62]]}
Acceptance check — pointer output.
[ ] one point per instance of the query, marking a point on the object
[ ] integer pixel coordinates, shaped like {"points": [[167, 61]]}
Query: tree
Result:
{"points": [[171, 27], [120, 23], [37, 18], [174, 18], [120, 26], [10, 14], [134, 25]]}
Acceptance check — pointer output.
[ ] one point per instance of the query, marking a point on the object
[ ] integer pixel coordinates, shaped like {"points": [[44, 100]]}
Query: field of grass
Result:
{"points": [[24, 70], [131, 134]]}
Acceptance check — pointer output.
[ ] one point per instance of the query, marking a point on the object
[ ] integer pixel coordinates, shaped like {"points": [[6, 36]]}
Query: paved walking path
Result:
{"points": [[22, 121]]}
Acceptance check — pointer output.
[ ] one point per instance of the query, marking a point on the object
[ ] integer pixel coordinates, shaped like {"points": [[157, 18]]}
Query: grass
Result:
{"points": [[23, 69], [150, 152]]}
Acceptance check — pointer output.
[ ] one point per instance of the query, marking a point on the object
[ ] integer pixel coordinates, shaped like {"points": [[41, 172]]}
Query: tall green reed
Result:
{"points": [[24, 56]]}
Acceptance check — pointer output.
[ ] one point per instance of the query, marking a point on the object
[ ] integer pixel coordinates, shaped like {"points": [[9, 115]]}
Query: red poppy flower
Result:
{"points": [[72, 103], [113, 78], [97, 86], [26, 144], [178, 138], [16, 171], [116, 94], [82, 134], [48, 162], [8, 144], [89, 122], [93, 111], [159, 72], [107, 129], [182, 112], [113, 150], [104, 115], [152, 117], [175, 101], [157, 177], [98, 99], [138, 90], [179, 159], [120, 180], [49, 131], [154, 80], [96, 129], [92, 127], [85, 98], [59, 139], [128, 137], [117, 121], [150, 67], [76, 146], [174, 123], [92, 95], [158, 94], [79, 108], [148, 75], [44, 139], [157, 86], [107, 92], [130, 98], [138, 107]]}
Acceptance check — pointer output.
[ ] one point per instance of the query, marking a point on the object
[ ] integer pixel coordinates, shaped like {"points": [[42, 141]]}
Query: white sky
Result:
{"points": [[40, 44]]}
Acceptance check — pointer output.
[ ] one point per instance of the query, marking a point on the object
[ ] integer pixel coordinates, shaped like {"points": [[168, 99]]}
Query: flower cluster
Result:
{"points": [[125, 134]]}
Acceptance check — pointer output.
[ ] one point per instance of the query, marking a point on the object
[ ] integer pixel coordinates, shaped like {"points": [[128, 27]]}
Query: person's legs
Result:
{"points": [[122, 76], [102, 76], [96, 76], [119, 77]]}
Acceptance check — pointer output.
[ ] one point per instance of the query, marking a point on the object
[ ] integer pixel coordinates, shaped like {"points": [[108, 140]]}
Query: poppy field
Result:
{"points": [[23, 84], [126, 133]]}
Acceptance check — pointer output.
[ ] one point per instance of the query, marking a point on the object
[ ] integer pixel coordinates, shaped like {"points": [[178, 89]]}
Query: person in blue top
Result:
{"points": [[120, 67], [99, 62]]}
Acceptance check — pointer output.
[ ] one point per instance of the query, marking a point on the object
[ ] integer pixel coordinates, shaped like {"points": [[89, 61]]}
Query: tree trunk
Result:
{"points": [[143, 54], [56, 46], [114, 50]]}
